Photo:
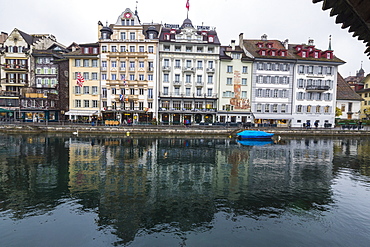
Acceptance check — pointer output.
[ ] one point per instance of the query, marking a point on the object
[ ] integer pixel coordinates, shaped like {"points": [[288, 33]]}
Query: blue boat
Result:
{"points": [[254, 134]]}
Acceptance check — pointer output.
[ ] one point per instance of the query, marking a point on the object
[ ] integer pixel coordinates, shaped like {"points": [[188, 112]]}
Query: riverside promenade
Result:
{"points": [[173, 130]]}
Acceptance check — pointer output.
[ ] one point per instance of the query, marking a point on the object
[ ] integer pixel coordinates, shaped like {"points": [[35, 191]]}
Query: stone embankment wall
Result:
{"points": [[172, 130]]}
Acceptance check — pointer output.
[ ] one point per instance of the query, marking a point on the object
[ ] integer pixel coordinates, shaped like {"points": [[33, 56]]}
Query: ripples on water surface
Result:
{"points": [[98, 191]]}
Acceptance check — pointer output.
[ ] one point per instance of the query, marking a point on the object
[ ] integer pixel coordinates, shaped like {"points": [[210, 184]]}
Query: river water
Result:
{"points": [[59, 190]]}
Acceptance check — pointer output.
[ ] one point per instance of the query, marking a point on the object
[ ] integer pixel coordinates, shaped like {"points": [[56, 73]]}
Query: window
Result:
{"points": [[209, 92], [319, 71], [150, 77], [166, 48], [104, 48], [329, 70], [210, 64], [78, 63], [310, 70], [274, 107], [141, 48], [300, 83], [259, 92], [86, 75], [132, 35], [300, 69], [326, 109], [210, 79], [104, 92], [210, 50], [177, 64], [165, 91], [244, 94], [276, 93], [245, 69], [132, 48], [188, 78], [177, 91], [94, 63], [229, 81], [150, 49], [77, 90], [188, 63], [122, 48], [177, 78], [199, 91], [86, 103], [141, 91], [267, 93], [229, 69], [189, 49], [123, 35], [283, 108], [114, 77], [259, 66], [199, 78], [199, 64], [267, 108], [114, 64], [318, 108], [132, 77], [244, 81], [141, 64], [94, 76], [309, 109], [94, 103], [165, 78], [177, 48], [94, 90], [199, 49], [114, 48], [187, 91], [86, 62], [166, 62], [141, 77], [299, 108], [259, 108], [123, 64], [132, 65], [77, 103], [150, 93], [103, 77]]}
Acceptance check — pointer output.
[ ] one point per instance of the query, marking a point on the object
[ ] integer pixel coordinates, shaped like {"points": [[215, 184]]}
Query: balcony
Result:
{"points": [[166, 68], [123, 69], [176, 82], [132, 97], [15, 67], [199, 84], [188, 69], [104, 68], [210, 70], [317, 88], [15, 82]]}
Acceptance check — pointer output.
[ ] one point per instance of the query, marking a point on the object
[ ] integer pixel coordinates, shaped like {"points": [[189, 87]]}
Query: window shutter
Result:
{"points": [[264, 79], [280, 80], [281, 67]]}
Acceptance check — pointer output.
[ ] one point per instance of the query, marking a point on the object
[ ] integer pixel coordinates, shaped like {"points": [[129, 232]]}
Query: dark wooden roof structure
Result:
{"points": [[354, 14]]}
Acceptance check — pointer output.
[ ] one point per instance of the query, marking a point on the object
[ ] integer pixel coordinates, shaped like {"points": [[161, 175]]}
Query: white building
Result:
{"points": [[188, 74], [315, 87]]}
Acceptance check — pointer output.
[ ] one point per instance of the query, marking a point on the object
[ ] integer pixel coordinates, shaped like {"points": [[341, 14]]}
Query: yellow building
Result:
{"points": [[84, 98], [365, 94], [128, 61]]}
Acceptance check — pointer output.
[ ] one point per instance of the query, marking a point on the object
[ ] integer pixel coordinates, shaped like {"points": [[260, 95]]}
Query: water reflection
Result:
{"points": [[145, 186]]}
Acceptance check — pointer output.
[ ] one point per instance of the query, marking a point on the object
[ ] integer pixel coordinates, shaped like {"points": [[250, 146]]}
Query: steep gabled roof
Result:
{"points": [[344, 90]]}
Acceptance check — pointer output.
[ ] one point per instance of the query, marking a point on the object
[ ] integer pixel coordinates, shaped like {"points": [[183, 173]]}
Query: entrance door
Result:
{"points": [[198, 118]]}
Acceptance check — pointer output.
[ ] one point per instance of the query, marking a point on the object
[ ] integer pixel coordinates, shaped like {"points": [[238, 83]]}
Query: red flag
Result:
{"points": [[187, 4], [80, 80]]}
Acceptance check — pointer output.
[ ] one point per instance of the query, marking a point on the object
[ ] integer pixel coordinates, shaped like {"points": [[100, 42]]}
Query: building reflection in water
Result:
{"points": [[150, 185]]}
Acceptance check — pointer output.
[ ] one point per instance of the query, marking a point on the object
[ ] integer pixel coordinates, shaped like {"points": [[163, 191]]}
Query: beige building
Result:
{"points": [[128, 61], [234, 104], [84, 99]]}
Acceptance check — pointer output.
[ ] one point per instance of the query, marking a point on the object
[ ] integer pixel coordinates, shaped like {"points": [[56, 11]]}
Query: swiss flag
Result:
{"points": [[187, 4]]}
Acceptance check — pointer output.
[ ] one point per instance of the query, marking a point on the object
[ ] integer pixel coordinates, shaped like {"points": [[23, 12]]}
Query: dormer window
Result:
{"points": [[263, 53], [86, 50], [167, 36], [328, 55], [211, 39], [273, 53], [316, 54], [283, 54], [269, 45], [303, 54], [298, 48], [259, 44]]}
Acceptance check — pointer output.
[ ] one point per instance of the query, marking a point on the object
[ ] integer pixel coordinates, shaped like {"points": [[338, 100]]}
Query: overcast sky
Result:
{"points": [[296, 20]]}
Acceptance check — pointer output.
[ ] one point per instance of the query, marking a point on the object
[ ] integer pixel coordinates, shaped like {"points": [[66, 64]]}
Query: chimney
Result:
{"points": [[233, 45], [264, 37], [310, 42], [285, 43]]}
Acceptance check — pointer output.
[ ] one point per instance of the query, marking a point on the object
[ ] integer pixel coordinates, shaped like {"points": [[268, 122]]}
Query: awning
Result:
{"points": [[4, 110], [81, 113], [268, 116]]}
